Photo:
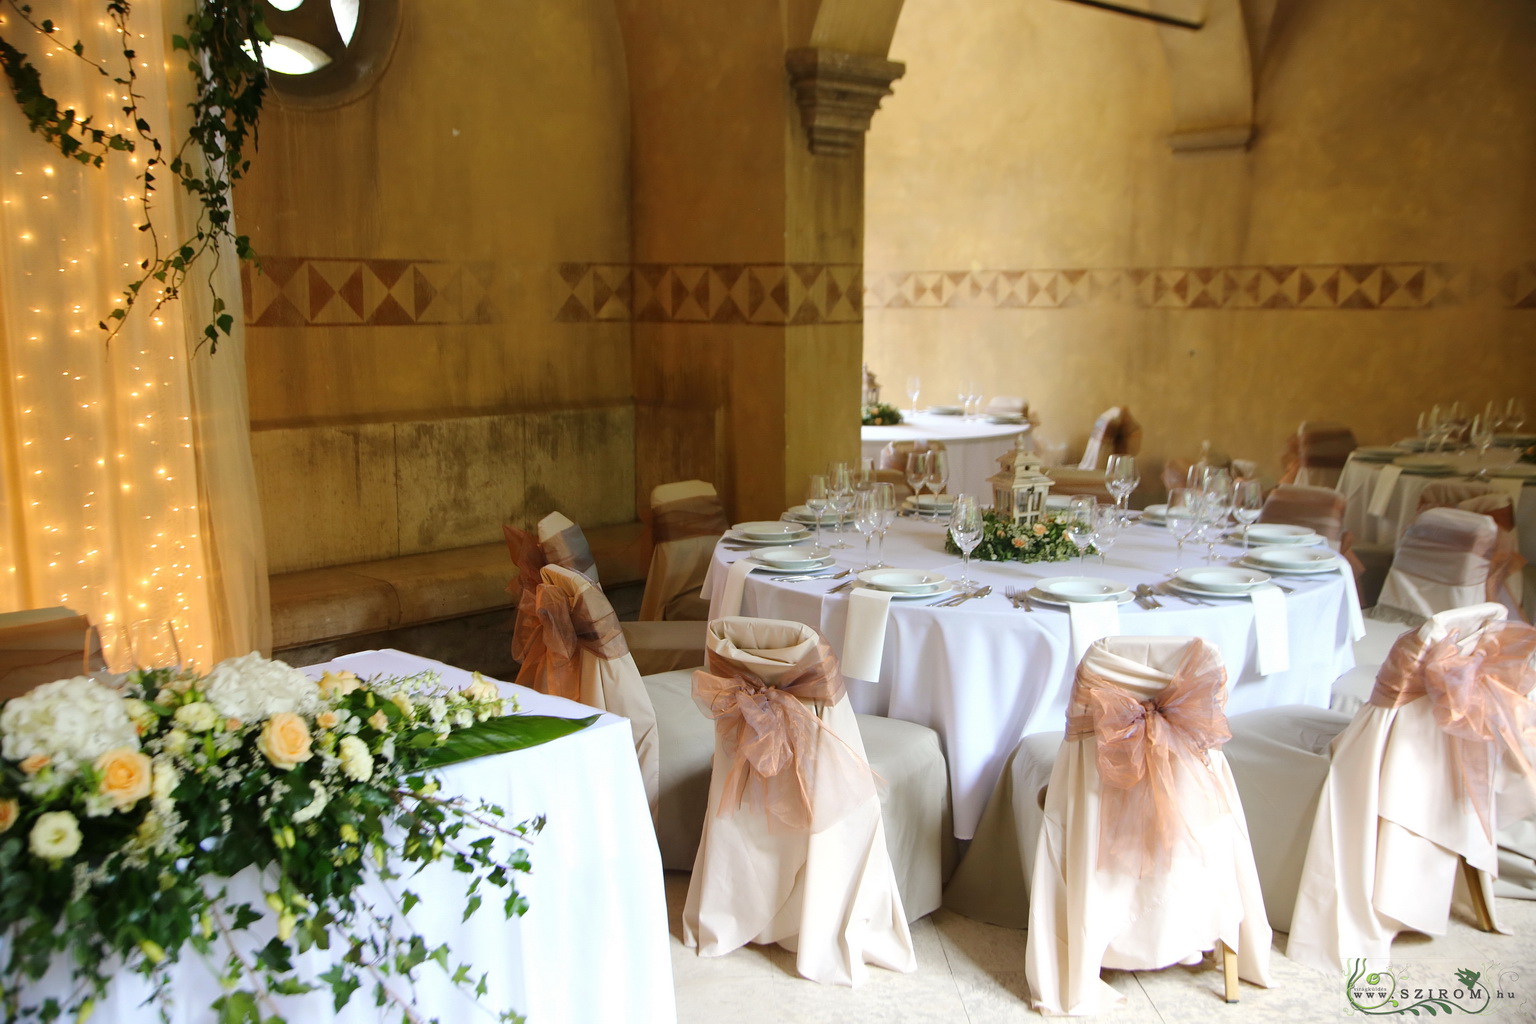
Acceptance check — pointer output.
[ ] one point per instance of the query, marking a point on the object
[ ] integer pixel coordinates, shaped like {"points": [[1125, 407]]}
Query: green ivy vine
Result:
{"points": [[222, 44]]}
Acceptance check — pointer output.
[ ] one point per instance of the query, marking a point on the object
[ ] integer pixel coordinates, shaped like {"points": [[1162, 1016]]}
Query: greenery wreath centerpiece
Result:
{"points": [[881, 414], [1003, 541], [125, 813]]}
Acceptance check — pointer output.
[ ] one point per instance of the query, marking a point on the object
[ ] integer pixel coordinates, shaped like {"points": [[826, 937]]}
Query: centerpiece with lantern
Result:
{"points": [[1019, 528]]}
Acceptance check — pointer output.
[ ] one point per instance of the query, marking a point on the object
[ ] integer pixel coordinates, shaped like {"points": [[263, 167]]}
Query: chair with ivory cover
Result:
{"points": [[1507, 563], [1319, 509], [1420, 783], [1143, 858], [686, 521], [1007, 405], [568, 643], [893, 457], [1315, 455], [1115, 432], [1444, 562], [793, 850]]}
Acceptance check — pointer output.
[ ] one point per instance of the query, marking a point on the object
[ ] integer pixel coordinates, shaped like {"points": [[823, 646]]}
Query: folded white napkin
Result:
{"points": [[735, 583], [864, 634], [1386, 482], [1352, 601], [1092, 620], [1271, 632], [1510, 485]]}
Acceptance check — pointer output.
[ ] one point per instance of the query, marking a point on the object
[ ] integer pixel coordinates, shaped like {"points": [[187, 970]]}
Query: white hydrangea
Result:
{"points": [[71, 722], [252, 689]]}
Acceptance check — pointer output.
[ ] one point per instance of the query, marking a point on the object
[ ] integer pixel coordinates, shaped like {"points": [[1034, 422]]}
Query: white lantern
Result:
{"points": [[1030, 486]]}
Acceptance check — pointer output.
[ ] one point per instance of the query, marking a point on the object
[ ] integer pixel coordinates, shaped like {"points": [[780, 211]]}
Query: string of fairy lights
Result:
{"points": [[102, 461]]}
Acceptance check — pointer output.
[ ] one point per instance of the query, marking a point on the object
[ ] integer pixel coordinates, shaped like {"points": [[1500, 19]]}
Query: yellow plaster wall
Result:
{"points": [[495, 147], [1032, 137]]}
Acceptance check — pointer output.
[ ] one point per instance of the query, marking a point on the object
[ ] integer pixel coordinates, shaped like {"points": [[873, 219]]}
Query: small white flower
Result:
{"points": [[312, 810], [176, 742], [356, 761], [199, 716], [55, 836], [387, 750], [437, 709]]}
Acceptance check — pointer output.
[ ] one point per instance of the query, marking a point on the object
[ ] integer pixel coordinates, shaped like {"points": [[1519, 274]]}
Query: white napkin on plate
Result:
{"points": [[1271, 631], [1386, 482], [1352, 601], [735, 583], [864, 634], [1092, 620]]}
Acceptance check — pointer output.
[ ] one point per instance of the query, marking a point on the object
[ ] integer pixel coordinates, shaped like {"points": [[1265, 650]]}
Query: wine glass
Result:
{"points": [[917, 475], [938, 476], [1514, 415], [1107, 524], [1247, 504], [1481, 435], [840, 496], [965, 525], [1183, 516], [1215, 507], [885, 504], [866, 519], [153, 643], [1122, 478], [914, 388], [1079, 523], [817, 500]]}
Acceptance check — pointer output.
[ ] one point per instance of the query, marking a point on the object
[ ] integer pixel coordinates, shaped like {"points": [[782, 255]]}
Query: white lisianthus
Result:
{"points": [[312, 810], [55, 836], [163, 783], [437, 709], [481, 690], [199, 716], [141, 714], [176, 742], [356, 761], [71, 721], [251, 688]]}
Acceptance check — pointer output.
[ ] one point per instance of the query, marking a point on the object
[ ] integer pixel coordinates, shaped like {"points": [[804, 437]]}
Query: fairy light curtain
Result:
{"points": [[126, 485]]}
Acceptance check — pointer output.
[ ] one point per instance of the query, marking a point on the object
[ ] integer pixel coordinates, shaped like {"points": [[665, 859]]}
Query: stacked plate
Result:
{"points": [[799, 558], [906, 582], [804, 514], [998, 417], [1377, 453], [766, 532], [1288, 558], [1218, 581], [1279, 534], [1065, 590], [1426, 465], [946, 410], [928, 504]]}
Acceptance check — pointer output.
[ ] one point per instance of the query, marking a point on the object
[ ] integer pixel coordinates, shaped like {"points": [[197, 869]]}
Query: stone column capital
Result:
{"points": [[838, 94]]}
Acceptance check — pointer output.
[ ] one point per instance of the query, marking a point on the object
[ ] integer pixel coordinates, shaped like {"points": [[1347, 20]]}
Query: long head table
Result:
{"points": [[983, 674]]}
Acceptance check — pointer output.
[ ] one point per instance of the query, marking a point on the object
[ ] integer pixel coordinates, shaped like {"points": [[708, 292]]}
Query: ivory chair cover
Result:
{"points": [[1086, 910], [1316, 453], [565, 544], [569, 644], [1505, 568], [686, 521], [1007, 405], [1116, 430], [827, 892], [894, 455], [1320, 509], [1395, 814]]}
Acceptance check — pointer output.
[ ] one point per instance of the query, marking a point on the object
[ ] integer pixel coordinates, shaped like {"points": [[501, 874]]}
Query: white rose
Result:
{"points": [[356, 761], [199, 716], [55, 836], [312, 809]]}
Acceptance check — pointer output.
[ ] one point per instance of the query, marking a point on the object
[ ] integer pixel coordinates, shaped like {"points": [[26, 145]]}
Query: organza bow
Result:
{"points": [[553, 629]]}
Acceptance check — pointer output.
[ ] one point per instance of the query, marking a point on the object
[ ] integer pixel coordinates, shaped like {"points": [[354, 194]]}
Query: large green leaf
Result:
{"points": [[499, 735]]}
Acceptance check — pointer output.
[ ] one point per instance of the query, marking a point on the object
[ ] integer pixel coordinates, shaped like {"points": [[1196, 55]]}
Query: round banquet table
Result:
{"points": [[973, 446], [983, 674]]}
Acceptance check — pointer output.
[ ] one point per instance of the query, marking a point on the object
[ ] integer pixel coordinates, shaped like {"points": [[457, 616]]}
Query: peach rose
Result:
{"points": [[327, 719], [338, 684], [285, 740], [1039, 529], [125, 776], [10, 810], [36, 763]]}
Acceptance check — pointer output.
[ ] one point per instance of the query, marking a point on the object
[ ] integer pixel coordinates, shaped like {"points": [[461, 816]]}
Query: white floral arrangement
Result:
{"points": [[121, 812]]}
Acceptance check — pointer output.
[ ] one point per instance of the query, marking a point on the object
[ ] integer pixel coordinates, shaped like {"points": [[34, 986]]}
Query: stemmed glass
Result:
{"points": [[965, 525], [817, 500], [1183, 516], [840, 497], [1481, 435], [885, 504], [153, 643], [866, 519], [914, 388], [1215, 506], [1107, 524], [1247, 505], [1079, 522], [1121, 478], [938, 476], [1514, 415], [917, 475]]}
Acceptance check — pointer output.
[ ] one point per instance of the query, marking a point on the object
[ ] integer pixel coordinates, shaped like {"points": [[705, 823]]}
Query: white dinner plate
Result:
{"points": [[915, 582], [993, 417], [1082, 588], [1315, 569], [1058, 501], [946, 410], [1288, 557], [1280, 533], [1189, 588], [1035, 594], [742, 539], [766, 530], [1377, 453], [1155, 514], [1222, 579], [803, 514], [931, 502], [800, 556]]}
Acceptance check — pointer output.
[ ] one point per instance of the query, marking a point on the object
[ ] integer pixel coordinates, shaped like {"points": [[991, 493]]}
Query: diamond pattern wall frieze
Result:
{"points": [[298, 291], [1327, 286], [772, 294]]}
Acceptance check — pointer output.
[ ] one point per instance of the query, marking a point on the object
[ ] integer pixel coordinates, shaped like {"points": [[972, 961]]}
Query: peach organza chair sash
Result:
{"points": [[527, 558], [1443, 562], [771, 739], [1480, 700], [554, 627], [701, 516], [1316, 453], [568, 547], [1317, 508], [1144, 747], [1455, 493]]}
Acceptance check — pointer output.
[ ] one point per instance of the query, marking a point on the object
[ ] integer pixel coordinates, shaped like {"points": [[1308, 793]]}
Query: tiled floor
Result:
{"points": [[973, 973]]}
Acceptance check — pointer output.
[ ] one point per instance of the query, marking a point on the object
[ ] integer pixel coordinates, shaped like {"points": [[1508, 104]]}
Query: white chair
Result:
{"points": [[793, 849], [1410, 809], [686, 521], [1143, 858], [568, 643]]}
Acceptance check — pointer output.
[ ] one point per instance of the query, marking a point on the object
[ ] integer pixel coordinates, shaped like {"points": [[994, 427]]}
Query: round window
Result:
{"points": [[328, 52]]}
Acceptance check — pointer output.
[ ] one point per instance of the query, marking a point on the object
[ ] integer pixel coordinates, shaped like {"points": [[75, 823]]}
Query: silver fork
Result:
{"points": [[1019, 597], [802, 577]]}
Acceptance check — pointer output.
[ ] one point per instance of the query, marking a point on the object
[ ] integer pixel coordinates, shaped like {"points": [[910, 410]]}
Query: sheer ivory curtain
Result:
{"points": [[126, 485]]}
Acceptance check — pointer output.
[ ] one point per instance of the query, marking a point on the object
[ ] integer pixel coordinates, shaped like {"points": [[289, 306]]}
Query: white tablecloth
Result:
{"points": [[1358, 483], [984, 674], [973, 446], [593, 946]]}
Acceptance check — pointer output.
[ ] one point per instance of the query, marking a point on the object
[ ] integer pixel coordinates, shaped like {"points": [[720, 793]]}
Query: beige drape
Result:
{"points": [[126, 485]]}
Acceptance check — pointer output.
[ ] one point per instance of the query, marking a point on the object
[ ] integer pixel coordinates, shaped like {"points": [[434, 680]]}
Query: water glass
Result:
{"points": [[1122, 478], [840, 496], [938, 475], [817, 500], [885, 503], [1247, 505], [866, 519], [965, 526], [914, 388], [1183, 516], [917, 475], [1107, 524]]}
